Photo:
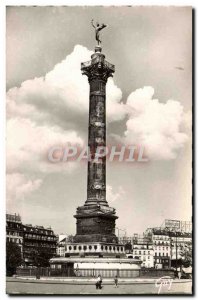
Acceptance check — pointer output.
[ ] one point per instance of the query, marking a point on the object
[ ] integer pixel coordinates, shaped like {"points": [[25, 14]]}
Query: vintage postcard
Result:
{"points": [[99, 150]]}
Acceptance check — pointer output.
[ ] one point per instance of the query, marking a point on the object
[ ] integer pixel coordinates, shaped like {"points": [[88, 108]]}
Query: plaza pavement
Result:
{"points": [[86, 286]]}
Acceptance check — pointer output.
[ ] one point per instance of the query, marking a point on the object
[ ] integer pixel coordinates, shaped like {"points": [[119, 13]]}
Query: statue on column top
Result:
{"points": [[98, 28]]}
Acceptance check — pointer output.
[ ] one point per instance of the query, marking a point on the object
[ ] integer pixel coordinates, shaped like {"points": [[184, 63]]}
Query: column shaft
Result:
{"points": [[96, 183]]}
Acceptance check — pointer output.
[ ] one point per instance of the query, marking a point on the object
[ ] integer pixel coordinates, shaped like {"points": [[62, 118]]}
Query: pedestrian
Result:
{"points": [[99, 282], [175, 273], [37, 273], [116, 281]]}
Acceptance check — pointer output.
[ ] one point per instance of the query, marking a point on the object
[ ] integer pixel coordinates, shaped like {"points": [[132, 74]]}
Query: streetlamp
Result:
{"points": [[176, 251]]}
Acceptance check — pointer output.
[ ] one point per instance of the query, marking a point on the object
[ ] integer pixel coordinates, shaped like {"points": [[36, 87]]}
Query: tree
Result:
{"points": [[128, 247], [44, 257], [13, 258], [70, 238], [41, 257], [186, 255]]}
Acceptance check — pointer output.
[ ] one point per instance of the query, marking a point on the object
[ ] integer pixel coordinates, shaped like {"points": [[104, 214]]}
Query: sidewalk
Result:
{"points": [[87, 281]]}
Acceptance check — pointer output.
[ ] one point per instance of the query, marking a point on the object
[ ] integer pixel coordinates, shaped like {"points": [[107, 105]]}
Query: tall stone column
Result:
{"points": [[96, 220], [97, 76], [97, 70]]}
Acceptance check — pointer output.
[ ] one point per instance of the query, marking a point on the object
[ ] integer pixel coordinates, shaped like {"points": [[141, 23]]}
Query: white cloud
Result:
{"points": [[53, 110], [115, 108], [113, 196], [28, 145], [61, 93], [49, 111], [19, 187], [154, 125]]}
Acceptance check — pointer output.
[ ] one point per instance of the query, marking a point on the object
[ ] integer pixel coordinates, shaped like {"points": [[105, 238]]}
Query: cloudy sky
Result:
{"points": [[149, 103]]}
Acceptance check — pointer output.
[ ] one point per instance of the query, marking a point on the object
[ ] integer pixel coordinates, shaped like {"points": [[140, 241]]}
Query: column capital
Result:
{"points": [[97, 68]]}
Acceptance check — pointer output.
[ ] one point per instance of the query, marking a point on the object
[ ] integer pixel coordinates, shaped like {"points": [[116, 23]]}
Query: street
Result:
{"points": [[22, 287]]}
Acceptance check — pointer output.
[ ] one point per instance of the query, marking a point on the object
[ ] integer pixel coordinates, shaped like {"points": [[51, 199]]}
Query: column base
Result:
{"points": [[95, 223]]}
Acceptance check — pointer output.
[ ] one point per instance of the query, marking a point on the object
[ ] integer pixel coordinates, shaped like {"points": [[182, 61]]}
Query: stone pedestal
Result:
{"points": [[95, 224]]}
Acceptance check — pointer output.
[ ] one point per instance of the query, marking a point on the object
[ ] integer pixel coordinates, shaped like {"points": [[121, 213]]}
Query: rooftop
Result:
{"points": [[13, 218]]}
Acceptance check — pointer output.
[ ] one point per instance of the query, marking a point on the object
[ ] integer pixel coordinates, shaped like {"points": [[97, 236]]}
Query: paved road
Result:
{"points": [[19, 287]]}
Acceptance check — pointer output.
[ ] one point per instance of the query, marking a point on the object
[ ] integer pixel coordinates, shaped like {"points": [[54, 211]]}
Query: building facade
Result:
{"points": [[14, 230], [37, 239], [143, 250], [61, 246], [180, 243], [171, 242], [31, 239], [161, 248]]}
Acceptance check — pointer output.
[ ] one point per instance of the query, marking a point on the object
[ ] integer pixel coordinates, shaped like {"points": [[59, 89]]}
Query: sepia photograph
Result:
{"points": [[99, 150]]}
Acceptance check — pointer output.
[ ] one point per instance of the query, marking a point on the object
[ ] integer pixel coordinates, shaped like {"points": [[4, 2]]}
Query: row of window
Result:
{"points": [[163, 248], [56, 266], [95, 247], [141, 252], [38, 231], [30, 251], [161, 243], [161, 237], [180, 245], [142, 247], [149, 265], [161, 254], [144, 258], [40, 237], [14, 225], [13, 233], [14, 240], [161, 261], [179, 239], [156, 254], [39, 245]]}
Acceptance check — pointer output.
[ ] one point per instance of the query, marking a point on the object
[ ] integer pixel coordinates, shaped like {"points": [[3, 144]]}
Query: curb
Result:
{"points": [[87, 282]]}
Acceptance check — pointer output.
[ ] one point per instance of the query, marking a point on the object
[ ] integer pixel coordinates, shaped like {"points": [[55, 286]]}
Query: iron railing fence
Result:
{"points": [[93, 273]]}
